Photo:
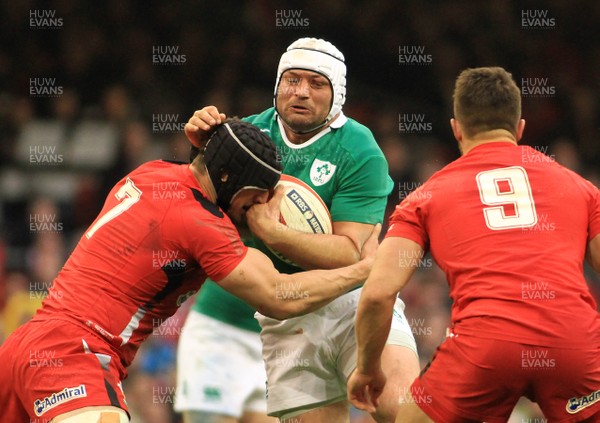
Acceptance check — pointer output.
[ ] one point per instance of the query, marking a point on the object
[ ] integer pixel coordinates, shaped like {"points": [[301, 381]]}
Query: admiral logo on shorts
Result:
{"points": [[40, 406], [575, 405]]}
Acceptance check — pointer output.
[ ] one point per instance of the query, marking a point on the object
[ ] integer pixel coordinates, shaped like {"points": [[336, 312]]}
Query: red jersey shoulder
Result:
{"points": [[170, 196], [154, 166], [409, 217], [207, 216], [211, 237]]}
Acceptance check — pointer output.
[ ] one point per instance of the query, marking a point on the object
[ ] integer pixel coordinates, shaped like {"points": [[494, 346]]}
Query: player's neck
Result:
{"points": [[205, 183], [297, 138], [499, 135]]}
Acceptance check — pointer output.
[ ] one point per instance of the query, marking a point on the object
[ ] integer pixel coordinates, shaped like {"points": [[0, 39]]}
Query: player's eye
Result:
{"points": [[319, 83]]}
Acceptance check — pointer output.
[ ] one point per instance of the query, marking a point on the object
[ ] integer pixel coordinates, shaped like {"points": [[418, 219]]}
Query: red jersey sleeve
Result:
{"points": [[217, 247], [407, 220]]}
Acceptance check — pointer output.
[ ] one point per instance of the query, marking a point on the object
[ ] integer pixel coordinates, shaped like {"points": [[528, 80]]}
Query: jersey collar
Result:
{"points": [[336, 124]]}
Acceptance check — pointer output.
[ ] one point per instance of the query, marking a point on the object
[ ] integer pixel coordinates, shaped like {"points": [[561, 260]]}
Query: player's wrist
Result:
{"points": [[364, 267], [275, 235], [368, 367]]}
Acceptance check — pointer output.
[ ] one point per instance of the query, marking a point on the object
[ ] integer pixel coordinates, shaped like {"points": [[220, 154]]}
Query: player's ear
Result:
{"points": [[520, 129], [456, 129]]}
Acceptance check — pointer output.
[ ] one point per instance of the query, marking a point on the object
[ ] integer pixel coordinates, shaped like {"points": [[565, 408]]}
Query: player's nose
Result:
{"points": [[301, 88]]}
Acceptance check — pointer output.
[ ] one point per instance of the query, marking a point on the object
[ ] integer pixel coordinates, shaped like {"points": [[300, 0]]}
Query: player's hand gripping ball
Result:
{"points": [[302, 209]]}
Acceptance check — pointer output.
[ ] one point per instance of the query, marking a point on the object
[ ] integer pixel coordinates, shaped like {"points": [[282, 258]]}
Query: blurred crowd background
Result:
{"points": [[89, 90]]}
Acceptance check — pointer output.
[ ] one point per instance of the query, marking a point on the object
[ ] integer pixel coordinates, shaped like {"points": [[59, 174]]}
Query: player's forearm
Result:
{"points": [[281, 296], [314, 251], [304, 292], [376, 306], [372, 327]]}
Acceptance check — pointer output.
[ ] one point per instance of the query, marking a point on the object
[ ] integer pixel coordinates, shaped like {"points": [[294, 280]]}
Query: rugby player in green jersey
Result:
{"points": [[308, 359]]}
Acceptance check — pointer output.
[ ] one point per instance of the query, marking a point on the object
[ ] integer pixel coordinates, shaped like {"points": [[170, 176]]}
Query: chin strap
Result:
{"points": [[302, 132]]}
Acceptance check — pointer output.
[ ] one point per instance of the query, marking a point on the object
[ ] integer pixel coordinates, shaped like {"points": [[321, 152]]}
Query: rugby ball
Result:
{"points": [[302, 209]]}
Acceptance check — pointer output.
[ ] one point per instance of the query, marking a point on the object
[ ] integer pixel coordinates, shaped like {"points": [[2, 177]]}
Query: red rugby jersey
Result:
{"points": [[509, 227], [154, 243]]}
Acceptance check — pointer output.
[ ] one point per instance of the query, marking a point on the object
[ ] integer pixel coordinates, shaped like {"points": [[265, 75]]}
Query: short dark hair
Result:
{"points": [[485, 99]]}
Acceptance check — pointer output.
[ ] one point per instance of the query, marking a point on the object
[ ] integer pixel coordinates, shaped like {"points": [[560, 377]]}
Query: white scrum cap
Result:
{"points": [[317, 55]]}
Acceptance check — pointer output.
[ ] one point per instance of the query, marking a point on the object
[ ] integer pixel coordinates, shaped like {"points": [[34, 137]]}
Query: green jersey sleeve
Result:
{"points": [[362, 193]]}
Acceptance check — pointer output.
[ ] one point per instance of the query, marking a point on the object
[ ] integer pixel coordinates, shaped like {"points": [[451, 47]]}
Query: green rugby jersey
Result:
{"points": [[344, 165]]}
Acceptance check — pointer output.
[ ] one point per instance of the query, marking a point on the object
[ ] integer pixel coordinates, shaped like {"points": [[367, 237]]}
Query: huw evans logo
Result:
{"points": [[537, 87], [413, 123], [40, 406], [167, 123], [43, 222], [537, 19], [167, 55], [290, 19], [575, 405], [289, 291], [45, 155], [44, 87], [290, 359], [44, 19], [414, 55]]}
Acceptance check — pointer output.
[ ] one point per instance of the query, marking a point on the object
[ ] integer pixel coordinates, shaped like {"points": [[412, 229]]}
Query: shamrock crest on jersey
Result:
{"points": [[321, 172]]}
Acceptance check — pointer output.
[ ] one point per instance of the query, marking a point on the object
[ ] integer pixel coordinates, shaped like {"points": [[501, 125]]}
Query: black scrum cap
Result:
{"points": [[239, 156]]}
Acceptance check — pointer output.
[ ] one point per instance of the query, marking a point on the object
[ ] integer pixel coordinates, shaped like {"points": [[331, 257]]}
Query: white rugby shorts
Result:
{"points": [[219, 368], [309, 358]]}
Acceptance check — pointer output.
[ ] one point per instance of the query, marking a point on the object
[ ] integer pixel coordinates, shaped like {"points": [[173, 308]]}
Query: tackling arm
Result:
{"points": [[281, 296]]}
